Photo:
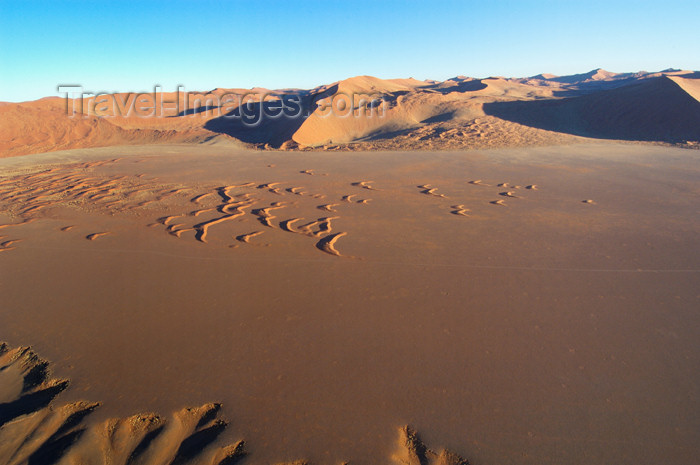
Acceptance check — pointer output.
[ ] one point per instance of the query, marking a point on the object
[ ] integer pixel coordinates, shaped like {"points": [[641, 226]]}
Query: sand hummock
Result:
{"points": [[34, 429]]}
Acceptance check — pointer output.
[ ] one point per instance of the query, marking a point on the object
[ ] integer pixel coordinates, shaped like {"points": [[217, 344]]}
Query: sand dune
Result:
{"points": [[689, 83], [595, 80], [368, 113], [27, 128], [656, 109]]}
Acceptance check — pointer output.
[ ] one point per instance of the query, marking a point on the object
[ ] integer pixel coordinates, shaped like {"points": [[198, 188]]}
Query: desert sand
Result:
{"points": [[504, 270], [522, 305], [459, 113]]}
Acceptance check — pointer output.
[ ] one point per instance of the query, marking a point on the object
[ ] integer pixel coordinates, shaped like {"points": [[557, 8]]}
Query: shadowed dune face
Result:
{"points": [[367, 113], [251, 125], [656, 109], [527, 306], [689, 83]]}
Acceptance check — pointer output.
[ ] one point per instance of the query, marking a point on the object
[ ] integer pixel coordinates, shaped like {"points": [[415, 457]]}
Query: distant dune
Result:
{"points": [[368, 113], [31, 128], [657, 109]]}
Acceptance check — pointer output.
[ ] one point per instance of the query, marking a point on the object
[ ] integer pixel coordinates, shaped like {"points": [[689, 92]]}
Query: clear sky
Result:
{"points": [[131, 46]]}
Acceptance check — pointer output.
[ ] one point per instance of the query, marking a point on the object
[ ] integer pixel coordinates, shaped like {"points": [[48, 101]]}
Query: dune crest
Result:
{"points": [[369, 113]]}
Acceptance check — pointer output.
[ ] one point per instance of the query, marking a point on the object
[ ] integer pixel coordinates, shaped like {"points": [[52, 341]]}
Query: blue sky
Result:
{"points": [[131, 46]]}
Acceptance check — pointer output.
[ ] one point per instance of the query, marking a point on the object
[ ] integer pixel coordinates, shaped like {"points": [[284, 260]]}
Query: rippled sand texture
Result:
{"points": [[516, 306]]}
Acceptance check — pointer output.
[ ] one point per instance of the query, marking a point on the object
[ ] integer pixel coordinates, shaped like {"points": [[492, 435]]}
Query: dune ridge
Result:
{"points": [[656, 109], [369, 113]]}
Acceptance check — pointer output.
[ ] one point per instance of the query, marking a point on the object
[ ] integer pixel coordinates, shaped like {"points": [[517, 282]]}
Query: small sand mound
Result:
{"points": [[35, 431]]}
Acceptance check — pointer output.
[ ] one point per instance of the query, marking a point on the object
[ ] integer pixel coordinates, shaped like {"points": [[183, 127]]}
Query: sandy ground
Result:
{"points": [[517, 306]]}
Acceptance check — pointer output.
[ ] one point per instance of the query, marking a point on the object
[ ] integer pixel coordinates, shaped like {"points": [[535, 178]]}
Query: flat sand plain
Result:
{"points": [[517, 306]]}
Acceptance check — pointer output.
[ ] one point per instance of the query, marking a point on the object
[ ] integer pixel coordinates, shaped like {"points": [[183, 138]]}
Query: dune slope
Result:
{"points": [[659, 109], [368, 113]]}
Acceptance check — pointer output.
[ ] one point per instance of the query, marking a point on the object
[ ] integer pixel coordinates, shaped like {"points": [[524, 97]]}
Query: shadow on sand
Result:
{"points": [[656, 109]]}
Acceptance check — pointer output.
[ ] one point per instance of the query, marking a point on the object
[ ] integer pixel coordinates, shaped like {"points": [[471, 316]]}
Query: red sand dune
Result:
{"points": [[367, 113]]}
